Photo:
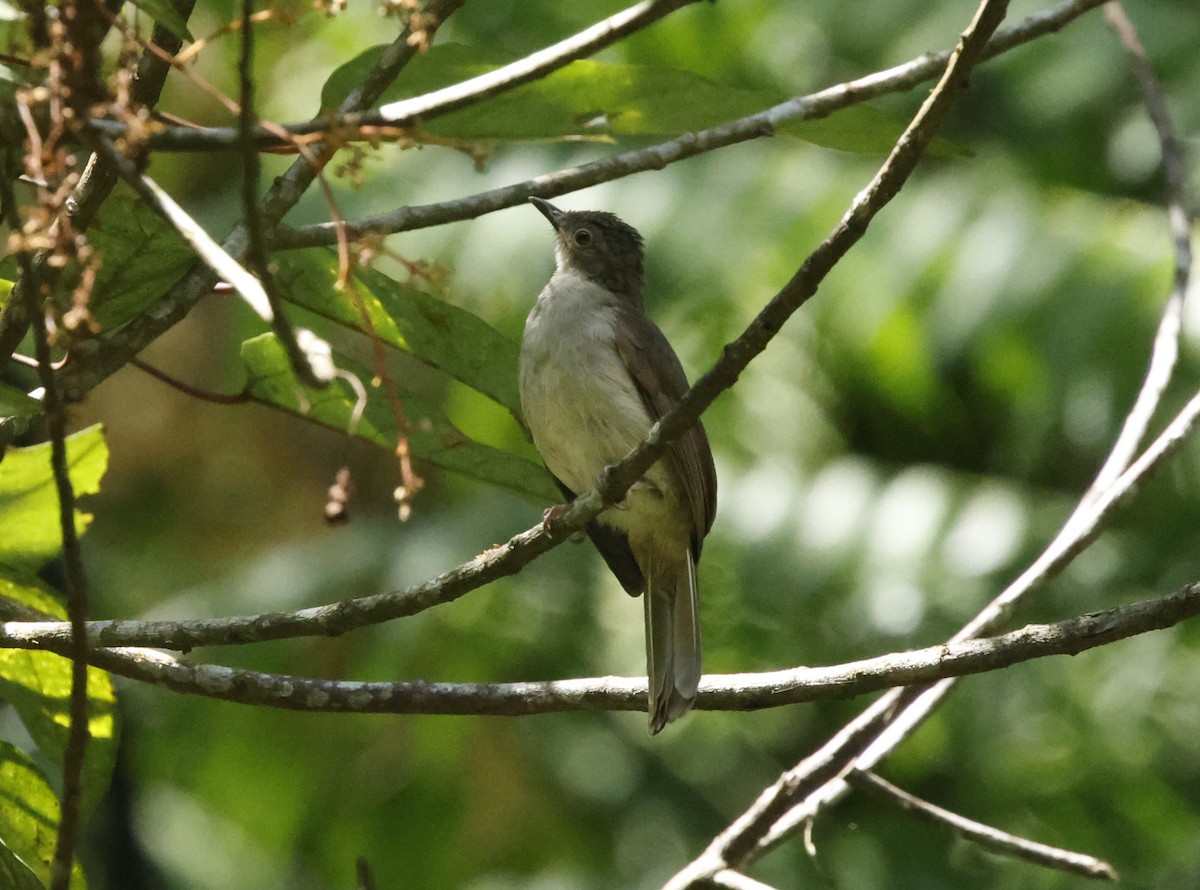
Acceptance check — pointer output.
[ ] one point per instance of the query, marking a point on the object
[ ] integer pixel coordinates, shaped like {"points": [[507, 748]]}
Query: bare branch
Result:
{"points": [[312, 373], [729, 692], [655, 157], [992, 839], [75, 647], [892, 718], [1166, 341]]}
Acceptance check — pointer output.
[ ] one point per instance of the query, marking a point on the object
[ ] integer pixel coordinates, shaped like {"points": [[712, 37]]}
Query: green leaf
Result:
{"points": [[436, 332], [14, 403], [441, 66], [30, 532], [605, 99], [140, 257], [163, 13], [38, 686], [585, 98], [431, 436], [863, 129], [29, 815], [11, 80], [14, 874]]}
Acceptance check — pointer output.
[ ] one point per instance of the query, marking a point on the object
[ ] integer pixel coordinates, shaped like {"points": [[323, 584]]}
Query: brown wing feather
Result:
{"points": [[614, 547], [661, 382]]}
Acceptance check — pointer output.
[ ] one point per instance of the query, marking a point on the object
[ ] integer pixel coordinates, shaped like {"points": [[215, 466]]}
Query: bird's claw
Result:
{"points": [[552, 515]]}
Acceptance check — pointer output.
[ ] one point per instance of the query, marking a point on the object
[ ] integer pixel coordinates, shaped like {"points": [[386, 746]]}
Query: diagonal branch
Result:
{"points": [[811, 107], [987, 837], [734, 846]]}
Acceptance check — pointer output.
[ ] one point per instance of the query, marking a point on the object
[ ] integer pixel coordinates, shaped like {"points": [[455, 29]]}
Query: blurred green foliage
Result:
{"points": [[908, 443]]}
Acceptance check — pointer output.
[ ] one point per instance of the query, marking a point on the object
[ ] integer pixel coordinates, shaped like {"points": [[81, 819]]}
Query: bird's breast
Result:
{"points": [[578, 399]]}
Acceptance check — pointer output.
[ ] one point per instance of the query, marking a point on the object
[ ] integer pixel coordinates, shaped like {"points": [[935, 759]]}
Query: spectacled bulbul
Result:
{"points": [[595, 374]]}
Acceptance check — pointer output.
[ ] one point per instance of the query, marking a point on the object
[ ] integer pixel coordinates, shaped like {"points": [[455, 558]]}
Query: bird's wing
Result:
{"points": [[661, 384], [613, 545]]}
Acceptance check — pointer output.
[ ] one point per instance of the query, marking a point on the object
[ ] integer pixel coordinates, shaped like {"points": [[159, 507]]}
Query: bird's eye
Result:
{"points": [[583, 237]]}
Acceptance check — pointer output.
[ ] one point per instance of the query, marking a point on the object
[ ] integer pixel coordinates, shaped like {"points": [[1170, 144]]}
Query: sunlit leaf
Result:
{"points": [[14, 874], [29, 815], [30, 532], [433, 330], [431, 436], [38, 686]]}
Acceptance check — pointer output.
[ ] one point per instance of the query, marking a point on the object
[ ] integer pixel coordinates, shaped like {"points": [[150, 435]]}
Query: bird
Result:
{"points": [[595, 374]]}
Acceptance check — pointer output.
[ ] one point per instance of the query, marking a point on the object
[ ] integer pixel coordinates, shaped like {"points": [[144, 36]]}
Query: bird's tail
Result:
{"points": [[672, 641]]}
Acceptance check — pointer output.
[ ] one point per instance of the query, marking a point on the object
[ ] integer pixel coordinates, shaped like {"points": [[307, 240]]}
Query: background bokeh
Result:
{"points": [[902, 450]]}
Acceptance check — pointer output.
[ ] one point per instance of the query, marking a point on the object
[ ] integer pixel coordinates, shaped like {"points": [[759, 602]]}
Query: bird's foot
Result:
{"points": [[551, 515]]}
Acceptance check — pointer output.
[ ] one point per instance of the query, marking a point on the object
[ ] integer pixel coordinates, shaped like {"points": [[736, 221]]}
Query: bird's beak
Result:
{"points": [[549, 211]]}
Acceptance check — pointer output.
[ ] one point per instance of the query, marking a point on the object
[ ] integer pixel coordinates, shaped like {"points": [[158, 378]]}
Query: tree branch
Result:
{"points": [[734, 846], [1166, 341], [309, 372], [985, 836], [729, 692], [75, 646], [655, 157]]}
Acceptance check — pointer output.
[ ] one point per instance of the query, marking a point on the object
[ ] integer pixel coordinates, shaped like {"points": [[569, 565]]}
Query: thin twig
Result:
{"points": [[986, 836], [76, 647], [733, 847], [218, 398], [256, 247]]}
